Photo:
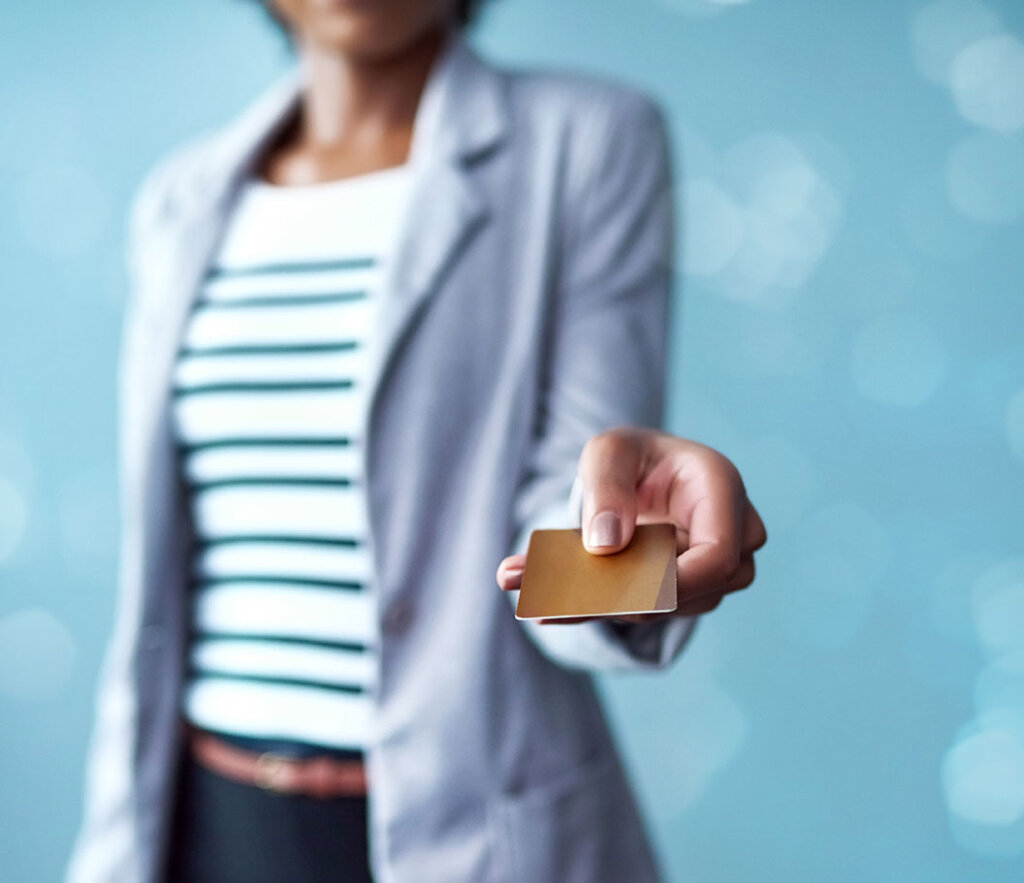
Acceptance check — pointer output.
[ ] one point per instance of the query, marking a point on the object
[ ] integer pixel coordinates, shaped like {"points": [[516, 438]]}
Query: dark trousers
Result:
{"points": [[226, 832]]}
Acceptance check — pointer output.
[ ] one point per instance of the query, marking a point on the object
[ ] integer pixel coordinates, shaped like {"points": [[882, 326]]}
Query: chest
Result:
{"points": [[452, 304]]}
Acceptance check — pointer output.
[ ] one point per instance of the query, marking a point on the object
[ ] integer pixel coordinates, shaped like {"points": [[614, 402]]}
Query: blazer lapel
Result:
{"points": [[442, 215], [460, 120]]}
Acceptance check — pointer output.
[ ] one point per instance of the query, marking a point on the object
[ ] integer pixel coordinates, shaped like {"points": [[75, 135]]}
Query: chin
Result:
{"points": [[370, 29]]}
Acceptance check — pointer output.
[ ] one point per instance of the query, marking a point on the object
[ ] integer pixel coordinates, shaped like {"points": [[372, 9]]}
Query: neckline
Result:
{"points": [[261, 185]]}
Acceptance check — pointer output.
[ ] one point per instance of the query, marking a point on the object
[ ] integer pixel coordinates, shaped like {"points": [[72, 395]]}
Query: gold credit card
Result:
{"points": [[561, 579]]}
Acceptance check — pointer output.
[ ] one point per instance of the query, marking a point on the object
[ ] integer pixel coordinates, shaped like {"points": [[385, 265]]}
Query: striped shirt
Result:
{"points": [[268, 405]]}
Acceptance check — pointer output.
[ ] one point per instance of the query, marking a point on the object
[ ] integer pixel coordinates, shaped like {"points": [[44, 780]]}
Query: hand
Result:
{"points": [[635, 476]]}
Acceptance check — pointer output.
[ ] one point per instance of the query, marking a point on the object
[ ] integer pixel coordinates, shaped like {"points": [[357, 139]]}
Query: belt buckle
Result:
{"points": [[271, 772]]}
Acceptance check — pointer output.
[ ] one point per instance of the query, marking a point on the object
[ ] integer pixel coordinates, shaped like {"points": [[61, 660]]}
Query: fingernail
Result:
{"points": [[512, 573], [605, 530]]}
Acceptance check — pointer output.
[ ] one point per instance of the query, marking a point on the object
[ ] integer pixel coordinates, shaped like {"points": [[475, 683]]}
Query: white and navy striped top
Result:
{"points": [[268, 410]]}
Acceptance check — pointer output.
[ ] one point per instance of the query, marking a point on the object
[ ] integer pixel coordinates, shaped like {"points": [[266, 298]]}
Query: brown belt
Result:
{"points": [[320, 777]]}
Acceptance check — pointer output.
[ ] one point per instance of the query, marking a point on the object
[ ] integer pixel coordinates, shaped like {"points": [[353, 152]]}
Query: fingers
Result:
{"points": [[705, 603], [754, 533], [610, 467], [743, 577], [714, 555], [510, 573], [709, 500], [711, 600], [708, 601], [699, 606], [632, 476]]}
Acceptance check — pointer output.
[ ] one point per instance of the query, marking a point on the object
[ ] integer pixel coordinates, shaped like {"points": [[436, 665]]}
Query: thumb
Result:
{"points": [[609, 468]]}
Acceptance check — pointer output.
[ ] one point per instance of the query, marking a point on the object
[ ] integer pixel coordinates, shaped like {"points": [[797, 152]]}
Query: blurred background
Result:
{"points": [[850, 331]]}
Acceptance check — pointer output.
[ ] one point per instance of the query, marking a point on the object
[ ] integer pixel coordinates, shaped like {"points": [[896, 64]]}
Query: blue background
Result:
{"points": [[850, 332]]}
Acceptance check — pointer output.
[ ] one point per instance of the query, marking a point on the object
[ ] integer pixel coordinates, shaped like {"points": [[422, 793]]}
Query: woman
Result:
{"points": [[374, 323]]}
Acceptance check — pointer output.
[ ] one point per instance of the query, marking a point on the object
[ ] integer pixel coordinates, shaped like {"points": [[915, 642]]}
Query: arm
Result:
{"points": [[608, 361]]}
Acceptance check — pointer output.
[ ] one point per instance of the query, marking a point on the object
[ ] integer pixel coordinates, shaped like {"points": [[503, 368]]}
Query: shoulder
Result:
{"points": [[169, 179], [601, 135], [582, 102], [599, 129], [195, 169]]}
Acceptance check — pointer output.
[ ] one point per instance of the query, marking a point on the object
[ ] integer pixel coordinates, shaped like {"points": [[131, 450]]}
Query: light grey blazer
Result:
{"points": [[527, 310]]}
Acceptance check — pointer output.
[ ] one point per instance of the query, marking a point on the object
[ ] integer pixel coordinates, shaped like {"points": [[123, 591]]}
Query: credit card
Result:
{"points": [[561, 579]]}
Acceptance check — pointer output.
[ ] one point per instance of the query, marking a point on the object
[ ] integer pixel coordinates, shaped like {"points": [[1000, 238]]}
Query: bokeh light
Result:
{"points": [[985, 177], [763, 225], [983, 771], [990, 841], [701, 8], [897, 360], [949, 599], [792, 211], [983, 776], [16, 478], [1015, 423], [940, 31], [988, 83], [998, 606], [15, 460], [941, 647], [13, 518], [713, 228], [37, 655], [1000, 686], [939, 660]]}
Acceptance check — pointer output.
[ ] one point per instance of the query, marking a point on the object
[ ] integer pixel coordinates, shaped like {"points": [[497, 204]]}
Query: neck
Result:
{"points": [[350, 99]]}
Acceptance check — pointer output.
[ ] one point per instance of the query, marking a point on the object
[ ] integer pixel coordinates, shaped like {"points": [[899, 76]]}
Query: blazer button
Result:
{"points": [[398, 617]]}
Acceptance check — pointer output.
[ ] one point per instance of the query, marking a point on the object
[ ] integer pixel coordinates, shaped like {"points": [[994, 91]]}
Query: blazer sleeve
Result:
{"points": [[608, 358], [106, 847]]}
